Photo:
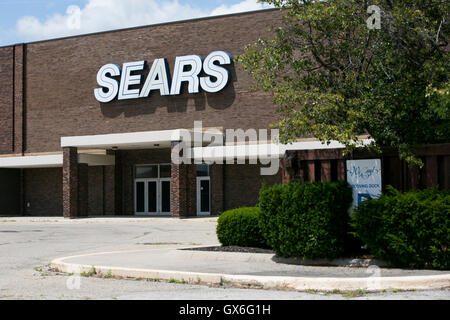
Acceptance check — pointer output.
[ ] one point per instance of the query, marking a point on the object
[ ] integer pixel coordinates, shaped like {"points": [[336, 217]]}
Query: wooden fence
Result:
{"points": [[330, 165]]}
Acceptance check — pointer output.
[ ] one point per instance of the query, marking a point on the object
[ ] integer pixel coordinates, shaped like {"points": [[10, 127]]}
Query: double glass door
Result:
{"points": [[152, 196]]}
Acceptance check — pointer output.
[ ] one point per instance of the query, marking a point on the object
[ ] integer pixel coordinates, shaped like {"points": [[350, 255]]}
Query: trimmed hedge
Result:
{"points": [[307, 220], [409, 229], [240, 227]]}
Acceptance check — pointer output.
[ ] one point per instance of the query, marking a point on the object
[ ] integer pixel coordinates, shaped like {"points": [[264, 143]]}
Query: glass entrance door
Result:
{"points": [[152, 189], [152, 196], [146, 196], [203, 196]]}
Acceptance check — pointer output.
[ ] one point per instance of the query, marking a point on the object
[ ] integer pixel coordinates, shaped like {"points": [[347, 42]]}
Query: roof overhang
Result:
{"points": [[137, 140], [53, 161], [264, 150], [24, 162]]}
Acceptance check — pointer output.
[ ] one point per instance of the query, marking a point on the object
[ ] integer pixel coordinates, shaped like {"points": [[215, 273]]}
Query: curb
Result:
{"points": [[324, 284]]}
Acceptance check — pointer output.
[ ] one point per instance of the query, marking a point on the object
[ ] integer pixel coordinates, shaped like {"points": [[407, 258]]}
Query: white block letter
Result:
{"points": [[157, 79], [213, 70], [128, 80], [191, 76], [110, 84]]}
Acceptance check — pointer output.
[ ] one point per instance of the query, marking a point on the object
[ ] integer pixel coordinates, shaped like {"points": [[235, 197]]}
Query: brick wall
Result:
{"points": [[242, 184], [61, 77], [95, 186], [217, 185], [6, 99], [329, 165], [43, 192]]}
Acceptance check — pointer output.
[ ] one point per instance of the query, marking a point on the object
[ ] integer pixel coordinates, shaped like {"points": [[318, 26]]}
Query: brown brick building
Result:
{"points": [[63, 152], [47, 93]]}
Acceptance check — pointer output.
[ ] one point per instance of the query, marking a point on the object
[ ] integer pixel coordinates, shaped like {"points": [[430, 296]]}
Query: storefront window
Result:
{"points": [[203, 170], [147, 171], [164, 171]]}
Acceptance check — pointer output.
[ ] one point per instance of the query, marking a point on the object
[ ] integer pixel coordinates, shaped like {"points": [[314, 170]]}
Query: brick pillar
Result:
{"points": [[183, 189], [83, 190], [70, 182], [19, 69], [178, 190], [178, 187], [191, 190]]}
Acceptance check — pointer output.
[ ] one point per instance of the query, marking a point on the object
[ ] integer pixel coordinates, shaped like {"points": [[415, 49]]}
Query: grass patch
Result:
{"points": [[38, 269], [311, 290], [90, 273], [354, 294], [108, 275], [336, 291], [172, 280]]}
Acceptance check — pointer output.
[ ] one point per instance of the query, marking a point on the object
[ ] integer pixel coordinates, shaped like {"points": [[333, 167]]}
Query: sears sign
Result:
{"points": [[187, 69]]}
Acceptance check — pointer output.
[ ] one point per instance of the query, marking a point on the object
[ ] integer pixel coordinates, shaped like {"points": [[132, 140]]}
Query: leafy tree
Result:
{"points": [[335, 75]]}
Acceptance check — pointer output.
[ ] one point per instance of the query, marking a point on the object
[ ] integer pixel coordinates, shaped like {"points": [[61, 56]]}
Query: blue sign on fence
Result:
{"points": [[364, 176]]}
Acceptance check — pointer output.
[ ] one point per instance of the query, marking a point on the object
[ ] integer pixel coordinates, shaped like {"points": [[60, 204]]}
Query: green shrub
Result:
{"points": [[239, 227], [307, 220], [409, 229]]}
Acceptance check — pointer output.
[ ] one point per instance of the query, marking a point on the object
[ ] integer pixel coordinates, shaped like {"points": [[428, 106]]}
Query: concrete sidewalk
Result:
{"points": [[257, 270]]}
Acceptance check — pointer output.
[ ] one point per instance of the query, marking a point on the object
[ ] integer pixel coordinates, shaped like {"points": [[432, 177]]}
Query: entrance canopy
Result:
{"points": [[136, 140]]}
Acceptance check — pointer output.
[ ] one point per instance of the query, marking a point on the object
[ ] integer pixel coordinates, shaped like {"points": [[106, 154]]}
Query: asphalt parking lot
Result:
{"points": [[27, 245]]}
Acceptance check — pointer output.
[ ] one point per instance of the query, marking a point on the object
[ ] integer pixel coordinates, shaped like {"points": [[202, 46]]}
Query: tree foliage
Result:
{"points": [[335, 77]]}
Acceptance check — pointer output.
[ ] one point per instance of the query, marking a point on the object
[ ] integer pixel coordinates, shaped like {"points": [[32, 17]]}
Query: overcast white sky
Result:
{"points": [[30, 20]]}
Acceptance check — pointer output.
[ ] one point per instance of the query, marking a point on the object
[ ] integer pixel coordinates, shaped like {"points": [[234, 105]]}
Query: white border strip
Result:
{"points": [[45, 161], [262, 151]]}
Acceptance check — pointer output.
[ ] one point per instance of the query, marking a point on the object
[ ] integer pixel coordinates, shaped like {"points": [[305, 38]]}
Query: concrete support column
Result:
{"points": [[70, 182]]}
